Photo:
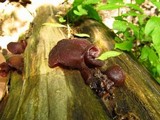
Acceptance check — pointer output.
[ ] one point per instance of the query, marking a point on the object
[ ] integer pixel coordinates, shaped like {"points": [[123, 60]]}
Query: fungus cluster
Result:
{"points": [[17, 47], [81, 54], [15, 61]]}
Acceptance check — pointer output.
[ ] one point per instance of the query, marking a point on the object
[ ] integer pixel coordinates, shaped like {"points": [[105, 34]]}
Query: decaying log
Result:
{"points": [[140, 97], [43, 93], [49, 94]]}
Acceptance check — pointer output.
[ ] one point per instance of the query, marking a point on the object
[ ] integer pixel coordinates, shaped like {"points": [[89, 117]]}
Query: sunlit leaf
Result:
{"points": [[91, 1], [92, 13], [139, 1], [142, 18], [120, 25], [82, 35], [135, 7], [80, 11], [152, 23], [130, 13], [144, 53], [157, 48], [158, 68], [156, 3], [135, 29], [156, 36], [62, 20], [77, 2], [115, 1], [153, 57], [108, 54], [110, 6], [126, 45]]}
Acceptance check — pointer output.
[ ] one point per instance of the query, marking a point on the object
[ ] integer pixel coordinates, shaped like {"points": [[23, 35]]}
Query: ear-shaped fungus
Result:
{"points": [[17, 47], [13, 63], [116, 74], [77, 54], [16, 62], [81, 54], [4, 69]]}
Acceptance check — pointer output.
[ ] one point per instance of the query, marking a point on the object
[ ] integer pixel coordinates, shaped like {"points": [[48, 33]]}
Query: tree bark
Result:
{"points": [[43, 93], [49, 94], [139, 98]]}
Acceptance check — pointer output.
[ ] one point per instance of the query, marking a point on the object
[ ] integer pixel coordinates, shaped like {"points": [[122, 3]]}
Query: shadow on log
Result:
{"points": [[61, 94]]}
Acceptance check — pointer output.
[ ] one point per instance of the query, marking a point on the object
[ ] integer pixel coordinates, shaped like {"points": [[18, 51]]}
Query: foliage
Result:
{"points": [[81, 9], [108, 54], [141, 38]]}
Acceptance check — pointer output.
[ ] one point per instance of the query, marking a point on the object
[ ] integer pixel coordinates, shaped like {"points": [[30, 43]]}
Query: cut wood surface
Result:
{"points": [[43, 93]]}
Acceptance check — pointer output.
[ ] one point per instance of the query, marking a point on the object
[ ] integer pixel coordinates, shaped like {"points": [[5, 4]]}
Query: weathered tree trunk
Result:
{"points": [[140, 97], [49, 94], [60, 94]]}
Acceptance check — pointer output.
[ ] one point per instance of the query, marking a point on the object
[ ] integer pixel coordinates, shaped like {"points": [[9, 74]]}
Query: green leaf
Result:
{"points": [[110, 6], [158, 79], [156, 3], [54, 25], [120, 25], [152, 23], [85, 2], [70, 16], [149, 53], [80, 11], [153, 57], [128, 36], [135, 7], [92, 13], [157, 48], [114, 1], [139, 1], [117, 39], [135, 29], [126, 45], [108, 54], [144, 53], [77, 2], [62, 20], [142, 19], [82, 35], [130, 13], [156, 35], [158, 68], [89, 2]]}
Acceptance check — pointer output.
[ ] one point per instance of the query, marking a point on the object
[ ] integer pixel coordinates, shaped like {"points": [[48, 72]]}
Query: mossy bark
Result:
{"points": [[50, 94]]}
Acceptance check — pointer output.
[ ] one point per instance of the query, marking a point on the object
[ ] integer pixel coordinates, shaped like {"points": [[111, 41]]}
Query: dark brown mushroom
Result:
{"points": [[116, 74], [16, 62], [17, 47], [4, 69], [13, 63], [76, 54]]}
